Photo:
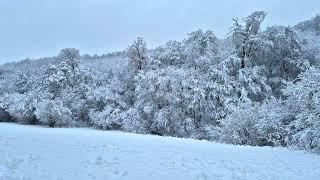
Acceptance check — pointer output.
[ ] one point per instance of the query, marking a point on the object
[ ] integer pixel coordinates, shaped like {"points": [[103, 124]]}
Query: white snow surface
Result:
{"points": [[38, 153]]}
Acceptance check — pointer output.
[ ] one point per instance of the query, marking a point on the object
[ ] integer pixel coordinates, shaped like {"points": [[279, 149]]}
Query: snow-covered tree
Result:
{"points": [[22, 83], [199, 50], [138, 60], [284, 59], [57, 78], [245, 35], [182, 101], [68, 70], [70, 56], [171, 54], [137, 54], [68, 83], [255, 83], [199, 43]]}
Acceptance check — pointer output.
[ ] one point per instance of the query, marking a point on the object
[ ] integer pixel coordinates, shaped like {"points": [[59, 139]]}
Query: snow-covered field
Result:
{"points": [[36, 153]]}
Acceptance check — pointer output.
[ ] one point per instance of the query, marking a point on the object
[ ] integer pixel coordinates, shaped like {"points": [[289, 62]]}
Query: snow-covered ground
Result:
{"points": [[36, 153]]}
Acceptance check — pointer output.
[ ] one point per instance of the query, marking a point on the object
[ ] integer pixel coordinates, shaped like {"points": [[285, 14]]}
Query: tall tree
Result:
{"points": [[138, 60], [137, 54], [70, 56], [244, 34]]}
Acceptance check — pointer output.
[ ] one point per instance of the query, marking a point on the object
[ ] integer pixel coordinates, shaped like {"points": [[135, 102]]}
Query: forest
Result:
{"points": [[258, 87]]}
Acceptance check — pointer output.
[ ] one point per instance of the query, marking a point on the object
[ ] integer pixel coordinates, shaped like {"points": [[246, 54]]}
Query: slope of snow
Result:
{"points": [[36, 153]]}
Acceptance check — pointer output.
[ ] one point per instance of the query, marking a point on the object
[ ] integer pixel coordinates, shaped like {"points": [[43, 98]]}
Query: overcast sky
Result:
{"points": [[37, 28]]}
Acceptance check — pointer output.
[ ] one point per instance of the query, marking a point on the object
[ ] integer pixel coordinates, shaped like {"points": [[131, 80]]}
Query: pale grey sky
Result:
{"points": [[37, 28]]}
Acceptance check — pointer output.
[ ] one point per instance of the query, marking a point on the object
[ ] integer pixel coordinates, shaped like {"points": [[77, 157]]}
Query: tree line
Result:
{"points": [[255, 87]]}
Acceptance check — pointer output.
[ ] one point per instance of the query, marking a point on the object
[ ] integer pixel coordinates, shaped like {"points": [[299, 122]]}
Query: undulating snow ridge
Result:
{"points": [[36, 153]]}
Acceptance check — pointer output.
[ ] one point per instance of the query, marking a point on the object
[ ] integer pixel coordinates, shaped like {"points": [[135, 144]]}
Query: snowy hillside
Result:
{"points": [[35, 153]]}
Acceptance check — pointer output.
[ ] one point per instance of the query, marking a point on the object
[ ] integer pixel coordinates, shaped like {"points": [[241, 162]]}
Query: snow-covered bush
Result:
{"points": [[259, 124], [305, 96], [132, 122], [53, 113], [106, 106], [76, 100], [4, 115], [274, 118], [239, 127], [108, 118], [161, 96], [21, 107]]}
